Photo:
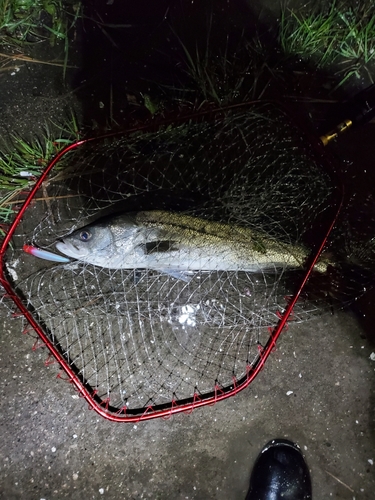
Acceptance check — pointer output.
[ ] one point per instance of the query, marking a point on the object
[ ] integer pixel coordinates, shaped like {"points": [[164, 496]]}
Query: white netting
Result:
{"points": [[140, 337]]}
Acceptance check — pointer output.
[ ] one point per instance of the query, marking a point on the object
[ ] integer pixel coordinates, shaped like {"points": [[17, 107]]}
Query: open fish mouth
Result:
{"points": [[68, 248]]}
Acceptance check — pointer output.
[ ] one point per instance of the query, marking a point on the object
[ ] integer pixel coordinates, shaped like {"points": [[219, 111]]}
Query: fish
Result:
{"points": [[177, 244]]}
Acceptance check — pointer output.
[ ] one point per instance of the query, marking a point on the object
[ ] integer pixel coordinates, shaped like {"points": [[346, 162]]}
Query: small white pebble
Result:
{"points": [[53, 449], [372, 356], [75, 436], [370, 461], [75, 476], [134, 426], [356, 422], [305, 447], [101, 491], [25, 173], [289, 393]]}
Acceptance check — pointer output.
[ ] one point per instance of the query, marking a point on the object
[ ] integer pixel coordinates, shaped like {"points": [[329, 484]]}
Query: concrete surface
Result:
{"points": [[53, 447]]}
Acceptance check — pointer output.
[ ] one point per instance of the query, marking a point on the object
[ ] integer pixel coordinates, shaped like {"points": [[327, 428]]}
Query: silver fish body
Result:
{"points": [[177, 243]]}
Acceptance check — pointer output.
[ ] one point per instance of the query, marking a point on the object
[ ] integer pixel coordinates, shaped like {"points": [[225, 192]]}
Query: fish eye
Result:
{"points": [[85, 235]]}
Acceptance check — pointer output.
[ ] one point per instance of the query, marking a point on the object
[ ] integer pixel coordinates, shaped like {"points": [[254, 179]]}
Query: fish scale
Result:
{"points": [[176, 243]]}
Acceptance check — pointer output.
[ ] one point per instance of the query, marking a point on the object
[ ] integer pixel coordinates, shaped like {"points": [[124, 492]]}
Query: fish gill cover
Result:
{"points": [[139, 337]]}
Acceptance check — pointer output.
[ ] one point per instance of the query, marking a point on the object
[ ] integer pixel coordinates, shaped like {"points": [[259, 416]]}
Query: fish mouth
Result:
{"points": [[71, 250]]}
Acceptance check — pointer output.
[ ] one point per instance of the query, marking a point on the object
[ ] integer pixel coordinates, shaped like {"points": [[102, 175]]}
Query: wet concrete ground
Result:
{"points": [[53, 447]]}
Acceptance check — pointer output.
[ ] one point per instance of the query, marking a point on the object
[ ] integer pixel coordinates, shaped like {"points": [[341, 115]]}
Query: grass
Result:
{"points": [[340, 36], [23, 22], [24, 161], [309, 36], [357, 48], [15, 22], [226, 74], [222, 78]]}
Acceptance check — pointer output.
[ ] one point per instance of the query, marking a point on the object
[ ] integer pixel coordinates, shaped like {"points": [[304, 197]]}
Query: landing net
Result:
{"points": [[138, 342]]}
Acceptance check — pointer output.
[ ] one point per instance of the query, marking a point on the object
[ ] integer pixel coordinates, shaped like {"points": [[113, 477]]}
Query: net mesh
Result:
{"points": [[140, 338]]}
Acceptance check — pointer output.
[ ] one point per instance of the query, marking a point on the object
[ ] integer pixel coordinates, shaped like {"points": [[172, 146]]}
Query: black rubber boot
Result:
{"points": [[280, 473]]}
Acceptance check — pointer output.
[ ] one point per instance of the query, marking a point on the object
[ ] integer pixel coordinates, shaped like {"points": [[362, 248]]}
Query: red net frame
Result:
{"points": [[103, 405]]}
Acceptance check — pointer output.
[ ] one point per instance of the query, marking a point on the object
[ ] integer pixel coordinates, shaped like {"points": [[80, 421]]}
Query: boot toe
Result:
{"points": [[280, 473]]}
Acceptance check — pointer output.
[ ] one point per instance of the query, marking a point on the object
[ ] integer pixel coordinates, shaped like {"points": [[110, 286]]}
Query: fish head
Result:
{"points": [[112, 242], [88, 244]]}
